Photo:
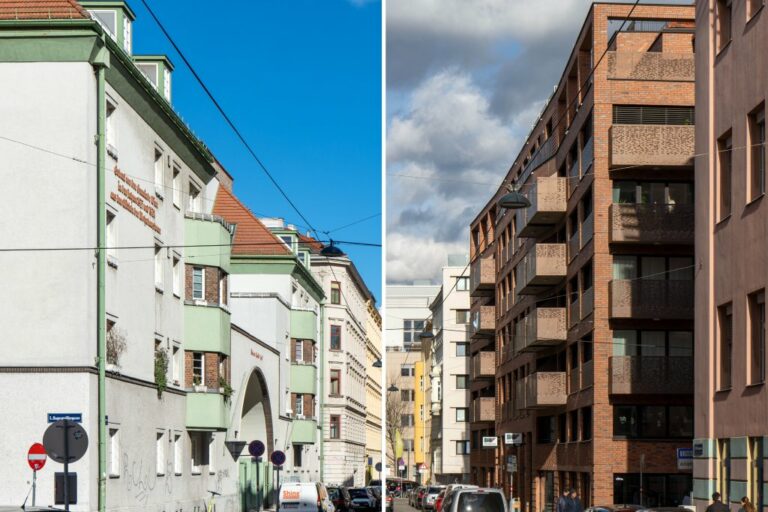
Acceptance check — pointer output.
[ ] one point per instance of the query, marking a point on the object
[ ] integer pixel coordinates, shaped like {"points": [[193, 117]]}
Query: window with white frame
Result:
{"points": [[196, 459], [462, 284], [177, 454], [176, 364], [127, 40], [211, 454], [158, 267], [299, 405], [149, 70], [159, 172], [160, 453], [111, 235], [198, 368], [176, 277], [223, 289], [110, 129], [176, 187], [114, 452], [299, 350], [198, 283], [194, 198], [107, 19]]}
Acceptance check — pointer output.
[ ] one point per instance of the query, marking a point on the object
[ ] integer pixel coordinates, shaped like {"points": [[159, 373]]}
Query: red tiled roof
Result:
{"points": [[249, 229], [41, 9], [310, 242]]}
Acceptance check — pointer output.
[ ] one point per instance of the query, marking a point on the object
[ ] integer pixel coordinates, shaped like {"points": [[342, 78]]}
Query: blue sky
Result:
{"points": [[302, 81]]}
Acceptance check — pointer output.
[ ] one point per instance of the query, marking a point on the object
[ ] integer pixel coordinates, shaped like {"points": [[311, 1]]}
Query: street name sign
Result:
{"points": [[53, 417]]}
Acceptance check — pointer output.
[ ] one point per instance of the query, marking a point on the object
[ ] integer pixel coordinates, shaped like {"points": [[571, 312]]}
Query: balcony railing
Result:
{"points": [[548, 201], [652, 299], [651, 375], [574, 313], [574, 243], [573, 177], [483, 409], [543, 266], [587, 302], [483, 365], [652, 144], [545, 152], [660, 66], [543, 328], [652, 223], [544, 389], [587, 229], [581, 377], [482, 274], [483, 319]]}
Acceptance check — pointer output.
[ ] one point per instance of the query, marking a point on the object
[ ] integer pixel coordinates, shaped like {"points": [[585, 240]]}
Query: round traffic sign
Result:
{"points": [[256, 448], [277, 458], [36, 456], [65, 441], [378, 467]]}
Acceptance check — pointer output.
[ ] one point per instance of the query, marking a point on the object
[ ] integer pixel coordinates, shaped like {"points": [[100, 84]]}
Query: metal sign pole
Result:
{"points": [[278, 488], [34, 485], [66, 465], [258, 484]]}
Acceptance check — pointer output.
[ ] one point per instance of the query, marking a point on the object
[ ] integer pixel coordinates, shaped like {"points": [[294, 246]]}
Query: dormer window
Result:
{"points": [[150, 71], [288, 240], [107, 19], [127, 41]]}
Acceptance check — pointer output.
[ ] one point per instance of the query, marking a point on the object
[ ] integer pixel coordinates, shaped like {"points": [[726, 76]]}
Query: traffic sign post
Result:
{"points": [[278, 459], [65, 441], [257, 449], [36, 458]]}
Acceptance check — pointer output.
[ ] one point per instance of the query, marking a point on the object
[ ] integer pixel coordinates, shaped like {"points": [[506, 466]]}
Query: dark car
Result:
{"points": [[616, 507], [360, 499], [376, 492], [336, 495]]}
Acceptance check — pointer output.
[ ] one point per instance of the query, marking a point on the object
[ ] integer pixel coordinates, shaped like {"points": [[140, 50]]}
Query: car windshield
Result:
{"points": [[358, 493], [434, 490], [480, 502], [334, 493]]}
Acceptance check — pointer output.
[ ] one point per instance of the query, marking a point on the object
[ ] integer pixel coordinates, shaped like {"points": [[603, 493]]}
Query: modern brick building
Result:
{"points": [[586, 296], [731, 422]]}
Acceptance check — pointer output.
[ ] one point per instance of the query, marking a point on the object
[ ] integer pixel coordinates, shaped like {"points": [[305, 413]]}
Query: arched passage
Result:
{"points": [[256, 411]]}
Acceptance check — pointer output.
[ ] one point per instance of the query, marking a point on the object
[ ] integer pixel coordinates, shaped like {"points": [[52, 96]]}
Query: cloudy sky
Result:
{"points": [[465, 82]]}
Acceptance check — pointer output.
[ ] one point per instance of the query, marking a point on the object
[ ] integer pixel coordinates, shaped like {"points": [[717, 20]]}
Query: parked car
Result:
{"points": [[361, 499], [439, 500], [430, 495], [414, 495], [615, 508], [336, 495], [475, 500], [376, 492], [305, 497], [418, 500]]}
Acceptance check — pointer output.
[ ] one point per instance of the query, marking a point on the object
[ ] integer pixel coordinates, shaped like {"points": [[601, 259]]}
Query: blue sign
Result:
{"points": [[277, 458], [685, 453], [53, 417], [256, 449]]}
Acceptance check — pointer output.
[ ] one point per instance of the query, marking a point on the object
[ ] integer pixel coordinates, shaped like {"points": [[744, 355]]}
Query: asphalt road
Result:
{"points": [[401, 505]]}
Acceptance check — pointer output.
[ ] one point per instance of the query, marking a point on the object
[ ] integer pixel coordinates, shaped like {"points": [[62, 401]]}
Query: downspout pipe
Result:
{"points": [[321, 339], [100, 62]]}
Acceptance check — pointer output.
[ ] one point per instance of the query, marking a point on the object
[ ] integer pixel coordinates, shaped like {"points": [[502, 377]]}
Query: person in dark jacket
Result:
{"points": [[563, 504], [576, 505], [717, 505]]}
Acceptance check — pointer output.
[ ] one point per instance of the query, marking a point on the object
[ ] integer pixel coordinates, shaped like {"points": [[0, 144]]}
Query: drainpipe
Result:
{"points": [[101, 62], [321, 352]]}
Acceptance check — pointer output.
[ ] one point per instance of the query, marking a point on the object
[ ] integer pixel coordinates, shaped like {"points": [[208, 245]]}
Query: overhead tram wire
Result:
{"points": [[169, 246], [227, 118]]}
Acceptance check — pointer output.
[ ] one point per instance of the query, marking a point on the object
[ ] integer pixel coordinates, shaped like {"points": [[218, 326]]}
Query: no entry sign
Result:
{"points": [[36, 456]]}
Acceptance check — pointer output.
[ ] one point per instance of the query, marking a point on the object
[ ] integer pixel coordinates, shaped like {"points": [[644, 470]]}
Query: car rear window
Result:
{"points": [[480, 502], [334, 494], [434, 490], [358, 493]]}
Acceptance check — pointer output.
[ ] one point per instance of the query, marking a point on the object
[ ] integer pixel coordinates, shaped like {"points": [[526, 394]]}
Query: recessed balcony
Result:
{"points": [[483, 409], [544, 389], [659, 66], [651, 375], [543, 328], [652, 223], [544, 266], [651, 299], [652, 144], [548, 197], [482, 275]]}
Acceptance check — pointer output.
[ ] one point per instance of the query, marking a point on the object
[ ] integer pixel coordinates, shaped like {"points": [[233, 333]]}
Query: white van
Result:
{"points": [[305, 497]]}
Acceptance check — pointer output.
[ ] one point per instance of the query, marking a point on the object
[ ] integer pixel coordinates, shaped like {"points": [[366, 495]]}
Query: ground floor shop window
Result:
{"points": [[658, 490]]}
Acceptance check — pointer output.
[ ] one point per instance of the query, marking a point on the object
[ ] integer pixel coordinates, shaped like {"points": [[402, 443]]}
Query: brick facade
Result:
{"points": [[213, 278]]}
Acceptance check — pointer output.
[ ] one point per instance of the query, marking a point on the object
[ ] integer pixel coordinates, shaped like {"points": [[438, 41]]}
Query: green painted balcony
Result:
{"points": [[201, 229], [206, 329], [304, 431], [303, 378], [303, 324], [207, 411]]}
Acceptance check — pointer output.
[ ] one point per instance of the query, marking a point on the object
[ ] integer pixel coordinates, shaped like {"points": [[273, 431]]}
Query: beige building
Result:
{"points": [[731, 417], [373, 402], [400, 418]]}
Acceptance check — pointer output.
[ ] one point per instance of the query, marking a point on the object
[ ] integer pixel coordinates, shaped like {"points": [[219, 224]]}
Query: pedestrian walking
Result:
{"points": [[747, 506], [717, 504], [576, 505], [563, 502]]}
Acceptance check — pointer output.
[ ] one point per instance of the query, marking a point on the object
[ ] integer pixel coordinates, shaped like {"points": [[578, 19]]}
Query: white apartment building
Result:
{"points": [[344, 368], [450, 375], [407, 308]]}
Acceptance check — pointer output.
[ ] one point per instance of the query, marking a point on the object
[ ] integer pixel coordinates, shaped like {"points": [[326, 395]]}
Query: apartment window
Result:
{"points": [[176, 277], [755, 471], [408, 445], [211, 454], [724, 468], [462, 284], [724, 151], [462, 382], [194, 198], [653, 421], [462, 316], [335, 383], [335, 337], [407, 395], [757, 152], [176, 365], [159, 173], [411, 330], [335, 292], [756, 302], [672, 268], [653, 114], [752, 7], [545, 429], [114, 452], [406, 420], [407, 370], [652, 192], [562, 428], [222, 288], [299, 350], [196, 459], [462, 349], [111, 235], [586, 424], [462, 447], [176, 187], [335, 430], [297, 452], [149, 70], [160, 453], [198, 283], [574, 419], [722, 30], [158, 267], [725, 344], [198, 368], [177, 454], [299, 407], [462, 414], [107, 19], [110, 130]]}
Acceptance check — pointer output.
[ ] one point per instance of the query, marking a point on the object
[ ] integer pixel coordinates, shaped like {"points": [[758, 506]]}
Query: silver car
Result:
{"points": [[475, 500], [430, 495]]}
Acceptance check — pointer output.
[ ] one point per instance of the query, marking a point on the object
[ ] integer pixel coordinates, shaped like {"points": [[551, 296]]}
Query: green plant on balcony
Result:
{"points": [[225, 388], [161, 370]]}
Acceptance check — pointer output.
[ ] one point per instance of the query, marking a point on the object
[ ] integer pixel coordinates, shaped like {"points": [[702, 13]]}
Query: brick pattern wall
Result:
{"points": [[212, 277], [210, 369], [308, 401]]}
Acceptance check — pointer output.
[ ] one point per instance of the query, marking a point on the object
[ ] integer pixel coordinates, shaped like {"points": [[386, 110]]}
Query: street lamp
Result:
{"points": [[426, 335], [513, 199], [393, 389], [377, 363]]}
